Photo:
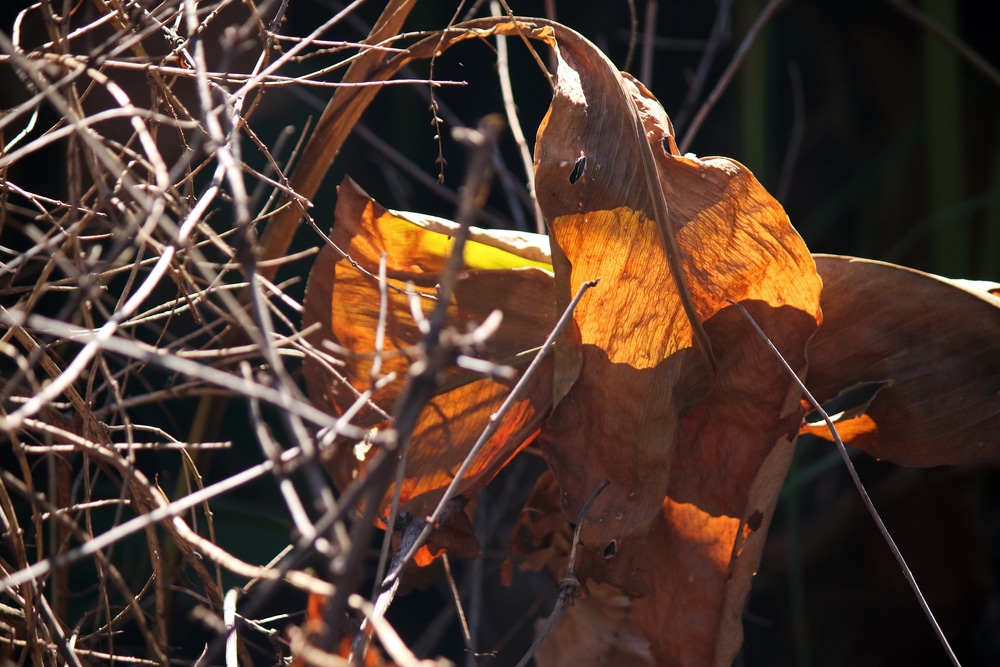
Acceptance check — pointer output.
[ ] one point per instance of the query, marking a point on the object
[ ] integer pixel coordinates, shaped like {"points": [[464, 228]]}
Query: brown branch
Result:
{"points": [[333, 128], [570, 586], [727, 76]]}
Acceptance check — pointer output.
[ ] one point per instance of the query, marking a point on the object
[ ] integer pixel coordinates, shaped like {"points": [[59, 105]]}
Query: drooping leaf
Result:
{"points": [[637, 361], [343, 302], [637, 413], [931, 344]]}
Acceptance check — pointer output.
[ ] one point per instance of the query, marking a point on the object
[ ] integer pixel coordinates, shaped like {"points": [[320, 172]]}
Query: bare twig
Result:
{"points": [[164, 512], [510, 109], [720, 29], [156, 198], [795, 139], [569, 587], [341, 114], [424, 372], [457, 599], [865, 498], [949, 39], [633, 35], [727, 76], [495, 420], [648, 35]]}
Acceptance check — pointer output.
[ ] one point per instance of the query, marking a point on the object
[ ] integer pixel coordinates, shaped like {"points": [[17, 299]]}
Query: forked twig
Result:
{"points": [[865, 498], [569, 587]]}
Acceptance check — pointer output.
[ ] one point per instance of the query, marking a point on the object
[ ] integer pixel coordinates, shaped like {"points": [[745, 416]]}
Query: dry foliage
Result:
{"points": [[432, 354]]}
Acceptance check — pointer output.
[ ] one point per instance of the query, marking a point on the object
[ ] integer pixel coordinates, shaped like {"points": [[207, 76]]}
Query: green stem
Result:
{"points": [[945, 163]]}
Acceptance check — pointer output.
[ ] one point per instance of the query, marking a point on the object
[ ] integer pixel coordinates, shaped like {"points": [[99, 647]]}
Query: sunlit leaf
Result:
{"points": [[342, 299], [661, 387], [644, 411]]}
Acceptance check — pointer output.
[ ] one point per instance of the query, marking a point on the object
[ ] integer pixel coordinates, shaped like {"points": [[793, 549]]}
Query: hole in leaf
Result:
{"points": [[611, 549], [850, 403], [578, 168]]}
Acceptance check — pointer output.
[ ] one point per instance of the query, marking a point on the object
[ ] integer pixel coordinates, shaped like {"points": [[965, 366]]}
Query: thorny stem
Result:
{"points": [[865, 498]]}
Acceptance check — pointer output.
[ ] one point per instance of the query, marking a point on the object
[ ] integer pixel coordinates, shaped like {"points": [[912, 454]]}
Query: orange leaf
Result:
{"points": [[641, 364], [342, 299], [662, 388]]}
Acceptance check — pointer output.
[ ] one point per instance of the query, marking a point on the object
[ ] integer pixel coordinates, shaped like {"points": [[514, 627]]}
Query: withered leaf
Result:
{"points": [[662, 387], [636, 412], [933, 345], [598, 629], [541, 537], [342, 301]]}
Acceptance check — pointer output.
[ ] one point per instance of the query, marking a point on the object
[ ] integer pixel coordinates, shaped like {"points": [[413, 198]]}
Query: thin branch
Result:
{"points": [[171, 510], [648, 42], [633, 35], [510, 109], [457, 599], [865, 498], [569, 587], [149, 354], [798, 130], [949, 39], [720, 29], [491, 428], [731, 69]]}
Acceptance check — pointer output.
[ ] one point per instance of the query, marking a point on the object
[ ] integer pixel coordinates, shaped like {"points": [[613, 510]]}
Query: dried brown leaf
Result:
{"points": [[637, 412], [934, 345]]}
